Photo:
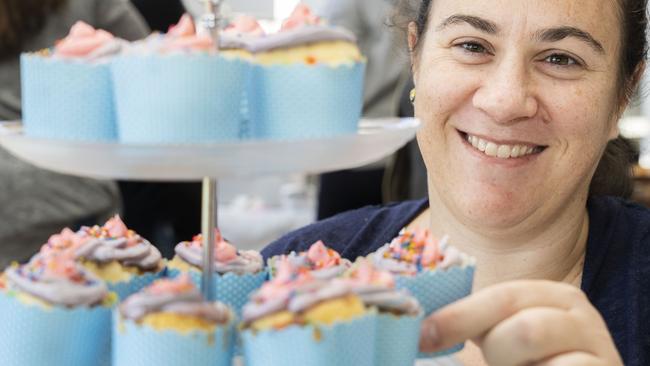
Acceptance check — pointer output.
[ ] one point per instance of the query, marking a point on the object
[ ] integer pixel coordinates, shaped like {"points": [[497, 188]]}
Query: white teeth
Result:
{"points": [[515, 151], [491, 149], [504, 151], [500, 151]]}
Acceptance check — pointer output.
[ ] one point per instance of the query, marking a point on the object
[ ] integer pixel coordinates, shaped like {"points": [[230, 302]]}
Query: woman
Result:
{"points": [[519, 100], [35, 203]]}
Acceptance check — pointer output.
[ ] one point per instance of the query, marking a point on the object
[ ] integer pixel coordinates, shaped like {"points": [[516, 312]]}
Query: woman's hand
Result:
{"points": [[525, 323]]}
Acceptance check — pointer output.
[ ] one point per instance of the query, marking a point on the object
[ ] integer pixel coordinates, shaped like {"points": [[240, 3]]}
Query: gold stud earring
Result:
{"points": [[412, 96]]}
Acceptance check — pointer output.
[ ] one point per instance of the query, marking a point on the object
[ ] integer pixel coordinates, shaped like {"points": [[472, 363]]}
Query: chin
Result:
{"points": [[493, 209]]}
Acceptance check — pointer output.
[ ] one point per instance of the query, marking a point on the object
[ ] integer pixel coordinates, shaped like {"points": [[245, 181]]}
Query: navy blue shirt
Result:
{"points": [[616, 275]]}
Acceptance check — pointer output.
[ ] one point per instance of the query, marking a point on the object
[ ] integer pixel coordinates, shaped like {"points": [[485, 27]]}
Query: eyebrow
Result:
{"points": [[476, 22], [560, 33], [546, 35]]}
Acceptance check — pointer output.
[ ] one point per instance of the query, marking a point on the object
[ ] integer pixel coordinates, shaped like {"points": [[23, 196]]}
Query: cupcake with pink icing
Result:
{"points": [[121, 257], [434, 271], [237, 273], [67, 90], [323, 262], [54, 312], [307, 80], [170, 323], [296, 319], [399, 313], [176, 88]]}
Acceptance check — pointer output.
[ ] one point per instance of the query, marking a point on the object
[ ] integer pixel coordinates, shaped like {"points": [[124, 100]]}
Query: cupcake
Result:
{"points": [[170, 323], [435, 272], [398, 313], [67, 91], [323, 262], [54, 312], [237, 273], [176, 88], [307, 80], [121, 257], [296, 319]]}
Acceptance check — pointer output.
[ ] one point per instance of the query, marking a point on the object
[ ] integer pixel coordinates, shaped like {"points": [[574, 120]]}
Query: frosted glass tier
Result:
{"points": [[376, 139]]}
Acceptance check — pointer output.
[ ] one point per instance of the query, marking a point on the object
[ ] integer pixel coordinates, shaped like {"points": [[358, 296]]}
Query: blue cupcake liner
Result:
{"points": [[397, 339], [135, 284], [302, 101], [436, 289], [33, 336], [179, 98], [231, 289], [348, 343], [67, 99], [135, 345]]}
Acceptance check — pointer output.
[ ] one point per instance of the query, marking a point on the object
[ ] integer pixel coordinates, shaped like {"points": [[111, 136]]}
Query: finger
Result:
{"points": [[572, 359], [534, 334], [472, 316]]}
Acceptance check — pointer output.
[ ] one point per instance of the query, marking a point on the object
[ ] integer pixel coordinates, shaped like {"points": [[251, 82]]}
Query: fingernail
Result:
{"points": [[429, 337]]}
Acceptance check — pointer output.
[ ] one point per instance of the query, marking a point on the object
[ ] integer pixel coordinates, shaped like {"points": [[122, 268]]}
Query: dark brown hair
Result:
{"points": [[613, 174], [20, 19]]}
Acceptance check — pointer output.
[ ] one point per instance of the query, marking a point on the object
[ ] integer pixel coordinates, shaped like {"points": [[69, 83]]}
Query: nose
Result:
{"points": [[505, 94]]}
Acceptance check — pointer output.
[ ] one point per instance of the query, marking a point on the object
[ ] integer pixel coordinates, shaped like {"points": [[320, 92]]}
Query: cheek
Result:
{"points": [[581, 116], [441, 90]]}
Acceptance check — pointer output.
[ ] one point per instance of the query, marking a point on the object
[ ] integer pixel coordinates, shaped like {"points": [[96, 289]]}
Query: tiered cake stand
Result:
{"points": [[375, 140]]}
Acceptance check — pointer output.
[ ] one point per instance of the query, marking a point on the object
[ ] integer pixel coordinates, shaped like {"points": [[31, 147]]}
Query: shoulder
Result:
{"points": [[616, 274], [353, 233], [615, 218]]}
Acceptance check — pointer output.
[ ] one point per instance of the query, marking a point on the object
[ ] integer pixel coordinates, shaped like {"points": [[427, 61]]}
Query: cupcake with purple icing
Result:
{"points": [[434, 271], [170, 323], [398, 313], [152, 81], [296, 319], [118, 255], [54, 312], [237, 273], [307, 79]]}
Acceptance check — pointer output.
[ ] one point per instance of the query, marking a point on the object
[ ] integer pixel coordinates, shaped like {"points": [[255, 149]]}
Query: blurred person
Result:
{"points": [[35, 203], [387, 73]]}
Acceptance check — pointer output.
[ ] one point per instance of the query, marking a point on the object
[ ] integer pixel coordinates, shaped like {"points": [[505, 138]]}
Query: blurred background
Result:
{"points": [[252, 213]]}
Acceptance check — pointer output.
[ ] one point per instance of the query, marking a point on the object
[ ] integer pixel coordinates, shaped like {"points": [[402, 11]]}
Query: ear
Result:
{"points": [[412, 43]]}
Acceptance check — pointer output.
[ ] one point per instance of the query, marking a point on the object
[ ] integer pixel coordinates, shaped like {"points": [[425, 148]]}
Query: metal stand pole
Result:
{"points": [[208, 225], [211, 19]]}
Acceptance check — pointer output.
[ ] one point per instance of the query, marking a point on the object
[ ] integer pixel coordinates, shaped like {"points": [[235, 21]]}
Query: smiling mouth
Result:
{"points": [[501, 151]]}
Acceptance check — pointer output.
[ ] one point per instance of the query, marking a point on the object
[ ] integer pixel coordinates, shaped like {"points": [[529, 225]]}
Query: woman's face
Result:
{"points": [[518, 99]]}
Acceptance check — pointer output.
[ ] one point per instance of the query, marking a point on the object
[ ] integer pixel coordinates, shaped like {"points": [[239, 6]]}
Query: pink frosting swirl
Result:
{"points": [[83, 41], [300, 17], [376, 287], [66, 241], [183, 37], [294, 290], [321, 261], [178, 296], [58, 279], [114, 241], [414, 251], [245, 24], [226, 257]]}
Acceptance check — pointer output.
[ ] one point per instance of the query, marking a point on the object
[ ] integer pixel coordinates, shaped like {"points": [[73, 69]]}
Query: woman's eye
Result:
{"points": [[561, 60], [473, 47]]}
